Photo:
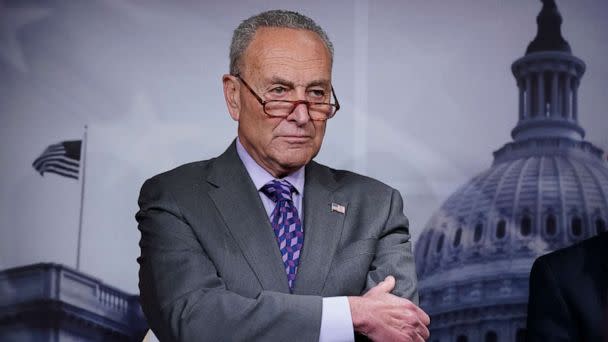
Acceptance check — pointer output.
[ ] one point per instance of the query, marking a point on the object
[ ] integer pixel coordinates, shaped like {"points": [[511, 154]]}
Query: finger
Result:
{"points": [[384, 286], [424, 318], [417, 311], [411, 323], [417, 332], [423, 331], [413, 333], [388, 284]]}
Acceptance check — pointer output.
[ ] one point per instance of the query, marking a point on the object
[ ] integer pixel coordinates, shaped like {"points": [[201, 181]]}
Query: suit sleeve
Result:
{"points": [[184, 299], [394, 253], [548, 316]]}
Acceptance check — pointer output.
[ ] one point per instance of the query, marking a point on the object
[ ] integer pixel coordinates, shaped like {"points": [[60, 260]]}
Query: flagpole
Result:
{"points": [[83, 157]]}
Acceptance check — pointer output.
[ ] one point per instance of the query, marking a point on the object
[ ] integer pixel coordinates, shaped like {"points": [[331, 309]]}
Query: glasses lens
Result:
{"points": [[320, 111], [317, 111], [279, 108]]}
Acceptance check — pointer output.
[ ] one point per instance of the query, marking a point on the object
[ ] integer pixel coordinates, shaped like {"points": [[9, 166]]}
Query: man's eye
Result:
{"points": [[317, 92], [278, 90]]}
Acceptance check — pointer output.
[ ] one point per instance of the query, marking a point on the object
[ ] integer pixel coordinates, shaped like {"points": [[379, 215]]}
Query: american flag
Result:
{"points": [[62, 158]]}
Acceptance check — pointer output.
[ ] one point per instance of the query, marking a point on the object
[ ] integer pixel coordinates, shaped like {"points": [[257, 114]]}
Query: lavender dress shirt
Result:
{"points": [[336, 320]]}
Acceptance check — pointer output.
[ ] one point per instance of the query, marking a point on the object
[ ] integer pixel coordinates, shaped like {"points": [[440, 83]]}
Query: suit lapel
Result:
{"points": [[238, 201], [322, 229]]}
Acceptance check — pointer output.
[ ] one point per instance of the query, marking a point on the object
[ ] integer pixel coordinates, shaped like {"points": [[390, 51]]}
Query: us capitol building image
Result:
{"points": [[546, 189]]}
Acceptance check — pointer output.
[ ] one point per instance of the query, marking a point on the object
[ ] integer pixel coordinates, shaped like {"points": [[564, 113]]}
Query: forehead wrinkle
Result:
{"points": [[288, 73], [290, 62], [282, 52], [281, 80]]}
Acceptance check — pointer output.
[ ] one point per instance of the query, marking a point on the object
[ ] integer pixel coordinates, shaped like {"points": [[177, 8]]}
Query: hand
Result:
{"points": [[382, 316]]}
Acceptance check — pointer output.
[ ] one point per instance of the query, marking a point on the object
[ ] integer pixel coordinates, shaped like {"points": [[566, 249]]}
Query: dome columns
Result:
{"points": [[548, 89], [555, 110], [548, 94], [541, 100], [575, 84], [565, 94]]}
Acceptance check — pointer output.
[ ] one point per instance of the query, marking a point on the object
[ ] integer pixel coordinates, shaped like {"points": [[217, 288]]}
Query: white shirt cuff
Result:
{"points": [[336, 321]]}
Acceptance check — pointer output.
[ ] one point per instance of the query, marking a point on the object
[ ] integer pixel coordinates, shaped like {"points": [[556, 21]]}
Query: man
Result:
{"points": [[569, 293], [262, 243]]}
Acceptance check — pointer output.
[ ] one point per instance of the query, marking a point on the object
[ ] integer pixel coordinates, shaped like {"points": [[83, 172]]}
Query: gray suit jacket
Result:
{"points": [[210, 268]]}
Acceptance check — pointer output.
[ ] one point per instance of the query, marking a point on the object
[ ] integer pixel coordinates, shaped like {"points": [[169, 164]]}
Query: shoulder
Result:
{"points": [[571, 259], [197, 172], [181, 178], [185, 172], [348, 181]]}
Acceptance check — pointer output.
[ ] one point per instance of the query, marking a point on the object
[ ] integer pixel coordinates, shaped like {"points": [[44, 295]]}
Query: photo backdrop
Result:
{"points": [[426, 89]]}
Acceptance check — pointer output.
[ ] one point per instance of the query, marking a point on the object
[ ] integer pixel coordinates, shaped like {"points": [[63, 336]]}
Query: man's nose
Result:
{"points": [[300, 114]]}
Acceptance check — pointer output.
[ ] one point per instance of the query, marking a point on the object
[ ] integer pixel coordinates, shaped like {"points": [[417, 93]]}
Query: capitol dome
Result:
{"points": [[545, 190]]}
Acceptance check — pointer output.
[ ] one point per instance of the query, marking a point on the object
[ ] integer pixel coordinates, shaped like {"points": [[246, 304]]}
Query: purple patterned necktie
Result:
{"points": [[286, 225]]}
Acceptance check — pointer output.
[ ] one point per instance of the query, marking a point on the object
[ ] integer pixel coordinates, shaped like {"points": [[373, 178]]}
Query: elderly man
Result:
{"points": [[262, 243]]}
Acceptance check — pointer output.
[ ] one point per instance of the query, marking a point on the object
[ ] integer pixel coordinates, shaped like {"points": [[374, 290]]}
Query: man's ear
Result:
{"points": [[232, 95]]}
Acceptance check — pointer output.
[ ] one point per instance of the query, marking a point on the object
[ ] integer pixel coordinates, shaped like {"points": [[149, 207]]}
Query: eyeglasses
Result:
{"points": [[318, 111]]}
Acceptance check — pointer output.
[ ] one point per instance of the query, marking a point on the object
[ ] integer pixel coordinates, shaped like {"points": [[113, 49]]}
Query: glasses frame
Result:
{"points": [[295, 103]]}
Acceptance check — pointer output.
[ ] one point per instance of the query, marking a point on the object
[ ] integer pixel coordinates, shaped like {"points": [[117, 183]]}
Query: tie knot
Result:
{"points": [[278, 190]]}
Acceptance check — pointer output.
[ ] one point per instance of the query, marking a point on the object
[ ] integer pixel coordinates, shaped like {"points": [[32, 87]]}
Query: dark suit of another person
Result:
{"points": [[569, 293]]}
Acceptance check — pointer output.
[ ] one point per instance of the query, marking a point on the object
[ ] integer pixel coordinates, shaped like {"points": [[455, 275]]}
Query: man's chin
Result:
{"points": [[293, 164], [294, 161], [294, 156]]}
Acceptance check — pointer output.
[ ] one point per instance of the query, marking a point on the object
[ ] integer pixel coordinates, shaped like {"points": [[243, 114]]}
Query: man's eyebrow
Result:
{"points": [[279, 80], [318, 82]]}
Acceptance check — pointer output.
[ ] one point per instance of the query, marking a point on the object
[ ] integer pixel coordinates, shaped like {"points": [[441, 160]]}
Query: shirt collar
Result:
{"points": [[260, 177]]}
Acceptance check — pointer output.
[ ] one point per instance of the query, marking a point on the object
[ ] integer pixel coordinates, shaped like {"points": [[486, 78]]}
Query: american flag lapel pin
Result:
{"points": [[338, 207]]}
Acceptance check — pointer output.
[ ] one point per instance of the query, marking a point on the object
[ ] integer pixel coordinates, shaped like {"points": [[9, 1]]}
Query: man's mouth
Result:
{"points": [[296, 139]]}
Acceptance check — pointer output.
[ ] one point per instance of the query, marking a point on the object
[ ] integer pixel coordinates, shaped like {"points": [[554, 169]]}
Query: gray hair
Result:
{"points": [[243, 34]]}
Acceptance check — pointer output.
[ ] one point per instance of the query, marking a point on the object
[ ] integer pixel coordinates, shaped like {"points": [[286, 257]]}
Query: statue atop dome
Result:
{"points": [[549, 3], [549, 35]]}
